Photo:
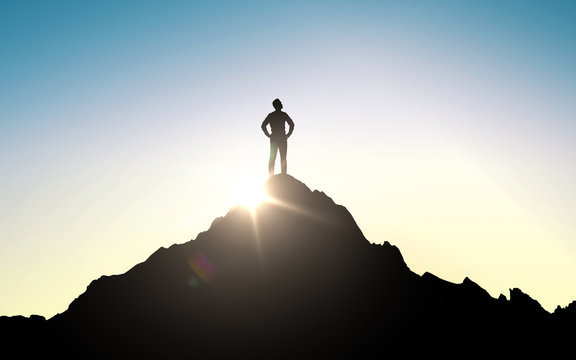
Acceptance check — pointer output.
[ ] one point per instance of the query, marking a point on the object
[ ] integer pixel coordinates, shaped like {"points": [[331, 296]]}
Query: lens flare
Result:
{"points": [[203, 269]]}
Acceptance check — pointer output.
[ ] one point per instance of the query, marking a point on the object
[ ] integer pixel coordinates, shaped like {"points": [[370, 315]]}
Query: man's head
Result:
{"points": [[277, 104]]}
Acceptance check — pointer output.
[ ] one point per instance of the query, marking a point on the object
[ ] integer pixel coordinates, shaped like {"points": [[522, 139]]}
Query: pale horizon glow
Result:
{"points": [[446, 128]]}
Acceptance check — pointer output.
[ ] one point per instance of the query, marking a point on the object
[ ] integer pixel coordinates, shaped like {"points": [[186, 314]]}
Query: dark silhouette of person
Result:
{"points": [[278, 137]]}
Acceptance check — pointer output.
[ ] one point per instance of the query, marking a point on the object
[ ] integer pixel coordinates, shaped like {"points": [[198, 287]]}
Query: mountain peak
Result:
{"points": [[295, 199], [283, 187], [293, 277]]}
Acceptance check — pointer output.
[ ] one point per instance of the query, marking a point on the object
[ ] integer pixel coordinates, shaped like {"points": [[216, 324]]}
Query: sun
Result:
{"points": [[248, 191]]}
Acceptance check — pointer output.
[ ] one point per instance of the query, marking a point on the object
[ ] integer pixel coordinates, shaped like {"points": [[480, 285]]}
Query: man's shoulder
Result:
{"points": [[288, 118], [277, 114]]}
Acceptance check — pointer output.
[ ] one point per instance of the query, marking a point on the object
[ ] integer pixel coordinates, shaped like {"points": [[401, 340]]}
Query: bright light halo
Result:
{"points": [[248, 191]]}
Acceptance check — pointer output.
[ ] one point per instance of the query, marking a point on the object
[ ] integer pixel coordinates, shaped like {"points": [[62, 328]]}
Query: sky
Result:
{"points": [[445, 127]]}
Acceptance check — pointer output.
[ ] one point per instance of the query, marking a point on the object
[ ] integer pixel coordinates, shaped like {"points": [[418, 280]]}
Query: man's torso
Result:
{"points": [[277, 120]]}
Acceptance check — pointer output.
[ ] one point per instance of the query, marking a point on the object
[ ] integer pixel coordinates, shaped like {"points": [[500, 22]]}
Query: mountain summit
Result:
{"points": [[294, 277]]}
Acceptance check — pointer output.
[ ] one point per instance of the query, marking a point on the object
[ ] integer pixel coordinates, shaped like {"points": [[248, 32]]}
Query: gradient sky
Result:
{"points": [[445, 127]]}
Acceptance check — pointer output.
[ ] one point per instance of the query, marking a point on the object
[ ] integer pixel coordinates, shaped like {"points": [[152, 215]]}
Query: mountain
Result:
{"points": [[294, 278]]}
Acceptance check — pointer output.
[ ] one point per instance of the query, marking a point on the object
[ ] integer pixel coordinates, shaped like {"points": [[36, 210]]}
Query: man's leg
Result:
{"points": [[283, 146], [272, 160]]}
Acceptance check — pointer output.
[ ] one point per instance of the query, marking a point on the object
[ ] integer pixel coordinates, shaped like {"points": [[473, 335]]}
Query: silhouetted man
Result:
{"points": [[278, 137]]}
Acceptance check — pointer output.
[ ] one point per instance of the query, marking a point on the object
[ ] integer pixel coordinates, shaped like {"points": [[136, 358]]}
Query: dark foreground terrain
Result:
{"points": [[296, 278]]}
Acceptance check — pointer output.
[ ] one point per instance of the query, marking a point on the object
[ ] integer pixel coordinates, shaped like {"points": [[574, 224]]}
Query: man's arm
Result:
{"points": [[291, 124], [264, 126]]}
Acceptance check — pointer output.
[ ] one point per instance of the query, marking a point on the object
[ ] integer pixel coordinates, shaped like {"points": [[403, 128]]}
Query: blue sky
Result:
{"points": [[445, 127]]}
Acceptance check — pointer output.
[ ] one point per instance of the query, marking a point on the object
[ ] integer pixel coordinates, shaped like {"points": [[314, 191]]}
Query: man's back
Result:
{"points": [[277, 120]]}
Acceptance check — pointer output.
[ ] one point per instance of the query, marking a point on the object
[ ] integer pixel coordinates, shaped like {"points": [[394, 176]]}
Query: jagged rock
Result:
{"points": [[523, 302]]}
